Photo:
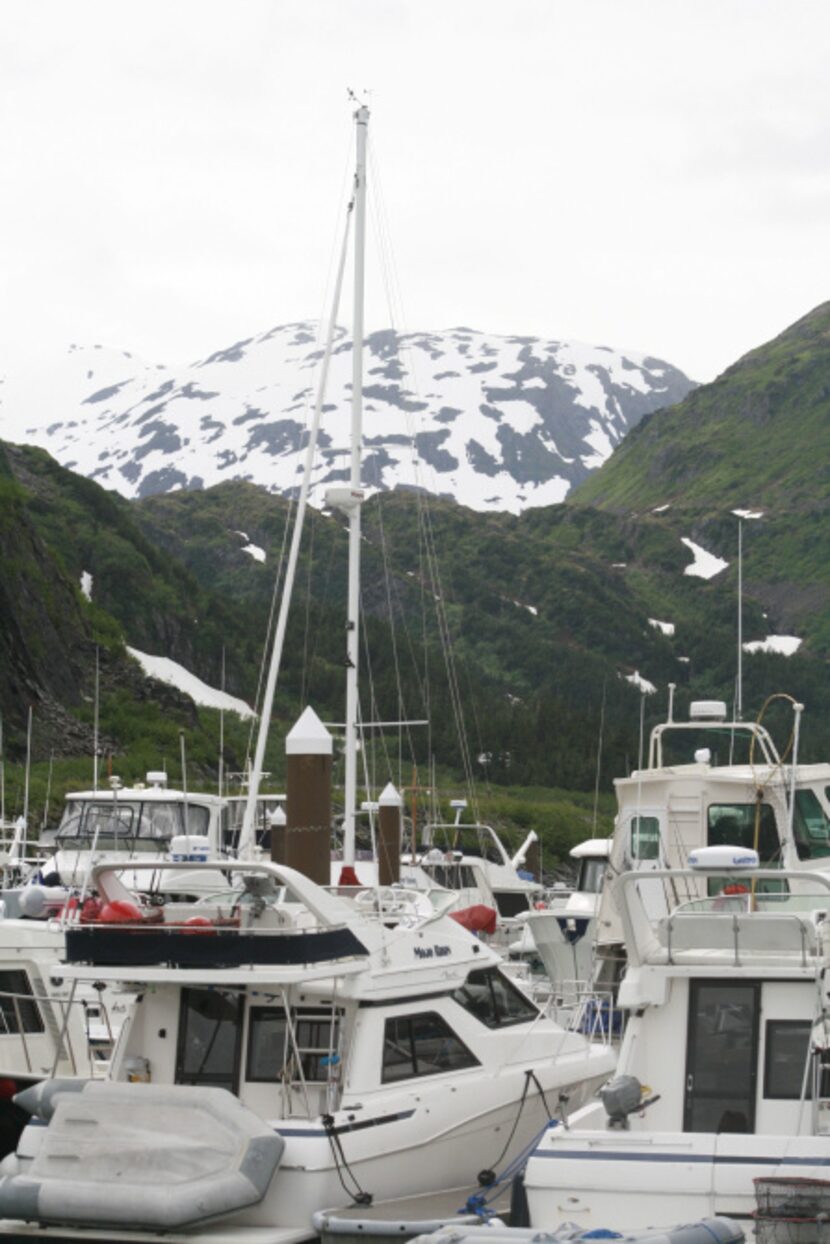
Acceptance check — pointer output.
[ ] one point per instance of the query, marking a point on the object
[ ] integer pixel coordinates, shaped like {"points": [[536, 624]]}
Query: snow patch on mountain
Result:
{"points": [[782, 645], [166, 670], [498, 423], [705, 565]]}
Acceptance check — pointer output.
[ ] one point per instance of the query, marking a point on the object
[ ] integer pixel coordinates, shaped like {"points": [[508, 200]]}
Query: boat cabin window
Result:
{"points": [[591, 875], [512, 902], [787, 1050], [494, 1000], [130, 824], [271, 1052], [451, 876], [422, 1045], [210, 1024], [733, 825], [645, 838], [167, 820], [113, 823], [811, 826], [18, 1010]]}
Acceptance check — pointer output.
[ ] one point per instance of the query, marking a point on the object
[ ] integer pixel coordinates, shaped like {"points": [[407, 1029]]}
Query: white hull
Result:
{"points": [[453, 1142], [633, 1181]]}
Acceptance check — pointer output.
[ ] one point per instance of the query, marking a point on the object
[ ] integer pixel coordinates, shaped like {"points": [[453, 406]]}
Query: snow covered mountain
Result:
{"points": [[496, 422]]}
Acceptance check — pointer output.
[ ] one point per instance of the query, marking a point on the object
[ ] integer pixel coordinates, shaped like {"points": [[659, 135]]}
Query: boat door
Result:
{"points": [[645, 853], [210, 1038], [721, 1056]]}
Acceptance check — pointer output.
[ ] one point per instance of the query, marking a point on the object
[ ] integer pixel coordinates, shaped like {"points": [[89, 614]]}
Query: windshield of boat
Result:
{"points": [[726, 746], [128, 824]]}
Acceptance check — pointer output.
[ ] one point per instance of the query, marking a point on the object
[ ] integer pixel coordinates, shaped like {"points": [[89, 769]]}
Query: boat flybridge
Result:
{"points": [[712, 782], [40, 1032], [285, 1053], [724, 1069]]}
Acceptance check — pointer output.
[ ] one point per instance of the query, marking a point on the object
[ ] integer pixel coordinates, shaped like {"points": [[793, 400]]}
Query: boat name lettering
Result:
{"points": [[432, 952]]}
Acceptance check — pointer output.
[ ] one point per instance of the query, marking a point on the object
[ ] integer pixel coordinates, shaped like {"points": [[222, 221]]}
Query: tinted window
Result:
{"points": [[787, 1047], [494, 1000], [421, 1045], [591, 875], [812, 829], [209, 1026], [267, 1048], [645, 838], [734, 825], [511, 902], [18, 1012], [270, 1048]]}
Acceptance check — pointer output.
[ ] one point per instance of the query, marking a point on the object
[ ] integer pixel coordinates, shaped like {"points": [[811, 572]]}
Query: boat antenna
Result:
{"points": [[246, 835], [48, 791], [26, 780], [184, 789], [220, 767], [739, 687], [95, 740], [599, 755]]}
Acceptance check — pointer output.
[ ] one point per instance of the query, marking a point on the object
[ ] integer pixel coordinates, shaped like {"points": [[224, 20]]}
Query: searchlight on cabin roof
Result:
{"points": [[723, 859]]}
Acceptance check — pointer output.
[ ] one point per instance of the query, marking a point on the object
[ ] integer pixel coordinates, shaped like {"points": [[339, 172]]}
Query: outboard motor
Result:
{"points": [[621, 1097]]}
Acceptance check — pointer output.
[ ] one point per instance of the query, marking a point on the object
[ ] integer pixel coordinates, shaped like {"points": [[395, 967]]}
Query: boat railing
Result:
{"points": [[739, 933], [56, 1012], [754, 916], [396, 904], [579, 1007]]}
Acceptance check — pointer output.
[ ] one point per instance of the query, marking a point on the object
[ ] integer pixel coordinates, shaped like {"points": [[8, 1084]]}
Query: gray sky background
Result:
{"points": [[651, 174]]}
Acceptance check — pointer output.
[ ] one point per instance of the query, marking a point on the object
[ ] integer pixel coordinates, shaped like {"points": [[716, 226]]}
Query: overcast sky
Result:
{"points": [[650, 174]]}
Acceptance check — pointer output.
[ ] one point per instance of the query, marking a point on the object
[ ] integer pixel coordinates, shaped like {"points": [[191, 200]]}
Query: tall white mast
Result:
{"points": [[247, 841], [354, 502]]}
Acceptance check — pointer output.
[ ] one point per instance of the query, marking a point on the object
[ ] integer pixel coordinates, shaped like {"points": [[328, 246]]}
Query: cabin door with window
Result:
{"points": [[721, 1056], [646, 854], [210, 1036]]}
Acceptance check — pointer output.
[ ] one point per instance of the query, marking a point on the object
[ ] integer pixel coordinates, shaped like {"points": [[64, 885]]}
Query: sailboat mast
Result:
{"points": [[361, 117]]}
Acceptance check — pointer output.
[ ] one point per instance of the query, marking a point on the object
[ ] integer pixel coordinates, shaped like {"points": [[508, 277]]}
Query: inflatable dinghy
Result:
{"points": [[706, 1231], [135, 1156]]}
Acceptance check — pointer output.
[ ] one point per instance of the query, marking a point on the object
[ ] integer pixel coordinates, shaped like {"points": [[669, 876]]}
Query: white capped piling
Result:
{"points": [[305, 843]]}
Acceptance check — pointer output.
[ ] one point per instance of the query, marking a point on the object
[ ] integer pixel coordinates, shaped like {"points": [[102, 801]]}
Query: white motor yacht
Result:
{"points": [[388, 1054], [724, 1069], [709, 781]]}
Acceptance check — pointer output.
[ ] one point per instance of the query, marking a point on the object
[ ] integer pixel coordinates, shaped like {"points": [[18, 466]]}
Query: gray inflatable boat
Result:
{"points": [[111, 1155]]}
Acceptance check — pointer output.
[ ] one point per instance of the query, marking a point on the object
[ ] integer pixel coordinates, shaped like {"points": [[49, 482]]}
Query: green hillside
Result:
{"points": [[515, 637], [757, 438]]}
